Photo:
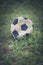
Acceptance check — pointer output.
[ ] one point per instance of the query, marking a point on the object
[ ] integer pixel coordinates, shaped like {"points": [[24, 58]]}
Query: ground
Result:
{"points": [[26, 51]]}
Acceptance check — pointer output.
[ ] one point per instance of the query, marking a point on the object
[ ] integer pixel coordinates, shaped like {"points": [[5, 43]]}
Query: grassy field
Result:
{"points": [[26, 51]]}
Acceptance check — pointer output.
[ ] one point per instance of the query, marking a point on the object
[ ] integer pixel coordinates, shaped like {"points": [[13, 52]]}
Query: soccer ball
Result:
{"points": [[21, 26]]}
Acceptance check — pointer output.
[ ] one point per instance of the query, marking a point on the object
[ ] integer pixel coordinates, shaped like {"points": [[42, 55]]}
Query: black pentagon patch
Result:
{"points": [[25, 18], [15, 33], [24, 27], [27, 34], [15, 21], [33, 26]]}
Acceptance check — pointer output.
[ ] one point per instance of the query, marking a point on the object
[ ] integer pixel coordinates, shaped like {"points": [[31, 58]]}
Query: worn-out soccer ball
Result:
{"points": [[21, 26]]}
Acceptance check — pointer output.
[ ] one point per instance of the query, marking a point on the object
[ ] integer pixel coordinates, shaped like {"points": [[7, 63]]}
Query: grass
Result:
{"points": [[26, 51]]}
